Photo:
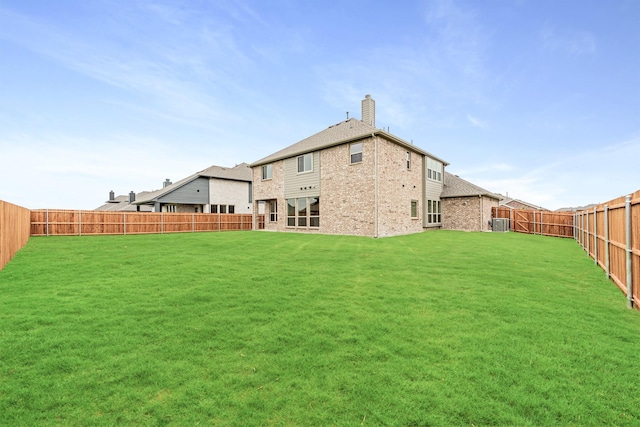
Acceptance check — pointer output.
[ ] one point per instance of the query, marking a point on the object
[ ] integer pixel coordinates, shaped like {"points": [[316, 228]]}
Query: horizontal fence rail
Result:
{"points": [[14, 230], [610, 234], [51, 222], [546, 223]]}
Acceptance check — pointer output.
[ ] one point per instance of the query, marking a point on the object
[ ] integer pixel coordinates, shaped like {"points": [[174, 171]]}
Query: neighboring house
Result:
{"points": [[213, 190], [519, 204], [465, 205], [350, 178], [123, 203]]}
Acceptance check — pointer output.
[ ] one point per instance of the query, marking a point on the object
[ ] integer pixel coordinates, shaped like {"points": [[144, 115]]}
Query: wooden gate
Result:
{"points": [[521, 221]]}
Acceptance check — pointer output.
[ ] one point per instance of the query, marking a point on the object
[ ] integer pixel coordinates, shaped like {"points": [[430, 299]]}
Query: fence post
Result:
{"points": [[79, 223], [606, 241], [595, 235], [193, 222], [162, 223], [124, 222], [586, 226], [47, 222], [627, 211]]}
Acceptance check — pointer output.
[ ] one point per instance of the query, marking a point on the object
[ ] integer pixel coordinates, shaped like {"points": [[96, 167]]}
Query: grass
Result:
{"points": [[257, 328]]}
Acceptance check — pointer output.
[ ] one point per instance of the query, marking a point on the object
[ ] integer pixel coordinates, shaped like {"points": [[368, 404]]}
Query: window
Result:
{"points": [[314, 211], [434, 212], [214, 208], [414, 209], [171, 208], [232, 208], [408, 160], [273, 211], [305, 163], [223, 209], [303, 212], [291, 212], [267, 171], [356, 152], [434, 170]]}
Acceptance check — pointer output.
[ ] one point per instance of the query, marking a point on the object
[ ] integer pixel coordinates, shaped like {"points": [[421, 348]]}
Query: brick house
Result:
{"points": [[465, 205], [350, 178]]}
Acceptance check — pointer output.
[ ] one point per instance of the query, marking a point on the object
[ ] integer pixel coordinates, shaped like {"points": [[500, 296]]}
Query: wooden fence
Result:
{"points": [[14, 230], [556, 224], [50, 222], [610, 233]]}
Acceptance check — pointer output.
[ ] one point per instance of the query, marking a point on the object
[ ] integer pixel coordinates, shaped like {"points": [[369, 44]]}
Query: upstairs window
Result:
{"points": [[408, 160], [434, 170], [356, 152], [267, 171], [414, 209], [305, 163]]}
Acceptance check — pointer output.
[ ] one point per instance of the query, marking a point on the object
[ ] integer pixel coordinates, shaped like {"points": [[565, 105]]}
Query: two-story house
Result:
{"points": [[350, 178]]}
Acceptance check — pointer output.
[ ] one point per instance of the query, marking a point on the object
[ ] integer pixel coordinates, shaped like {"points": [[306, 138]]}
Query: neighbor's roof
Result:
{"points": [[241, 172], [508, 202], [454, 186], [121, 204], [346, 131]]}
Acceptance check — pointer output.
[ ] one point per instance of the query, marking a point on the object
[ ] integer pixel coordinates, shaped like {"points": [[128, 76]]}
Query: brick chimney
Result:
{"points": [[369, 111]]}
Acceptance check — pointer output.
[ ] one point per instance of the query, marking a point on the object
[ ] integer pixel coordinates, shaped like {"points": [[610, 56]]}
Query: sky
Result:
{"points": [[537, 99]]}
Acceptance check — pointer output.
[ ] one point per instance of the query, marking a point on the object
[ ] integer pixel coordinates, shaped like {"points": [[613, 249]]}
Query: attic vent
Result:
{"points": [[112, 196], [132, 197], [166, 183]]}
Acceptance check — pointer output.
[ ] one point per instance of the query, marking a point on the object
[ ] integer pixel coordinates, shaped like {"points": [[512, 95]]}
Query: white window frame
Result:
{"points": [[267, 172], [307, 161], [354, 150]]}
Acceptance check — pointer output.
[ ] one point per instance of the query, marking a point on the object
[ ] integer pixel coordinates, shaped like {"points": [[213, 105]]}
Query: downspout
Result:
{"points": [[375, 180], [481, 211]]}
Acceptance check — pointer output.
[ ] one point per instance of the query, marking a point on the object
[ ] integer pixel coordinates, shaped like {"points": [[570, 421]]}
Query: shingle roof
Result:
{"points": [[121, 204], [241, 172], [340, 133], [454, 186]]}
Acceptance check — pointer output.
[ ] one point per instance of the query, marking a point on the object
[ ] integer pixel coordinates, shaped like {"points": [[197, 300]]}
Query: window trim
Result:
{"points": [[414, 209]]}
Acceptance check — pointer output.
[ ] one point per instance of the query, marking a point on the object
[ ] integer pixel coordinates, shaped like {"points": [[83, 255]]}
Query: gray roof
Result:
{"points": [[341, 133], [241, 172], [121, 204], [454, 186]]}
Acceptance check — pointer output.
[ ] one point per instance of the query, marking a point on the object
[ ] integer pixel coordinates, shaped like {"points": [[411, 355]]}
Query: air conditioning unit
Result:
{"points": [[501, 224]]}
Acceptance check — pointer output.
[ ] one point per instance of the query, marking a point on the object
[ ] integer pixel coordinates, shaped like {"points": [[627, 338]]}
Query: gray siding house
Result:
{"points": [[213, 190]]}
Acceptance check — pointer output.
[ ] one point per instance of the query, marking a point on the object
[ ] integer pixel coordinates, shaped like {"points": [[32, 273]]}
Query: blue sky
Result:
{"points": [[540, 99]]}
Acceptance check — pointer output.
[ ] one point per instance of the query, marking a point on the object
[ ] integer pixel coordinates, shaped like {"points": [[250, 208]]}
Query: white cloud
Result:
{"points": [[477, 122]]}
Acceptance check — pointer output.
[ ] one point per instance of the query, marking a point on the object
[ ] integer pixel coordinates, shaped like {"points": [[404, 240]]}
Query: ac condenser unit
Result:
{"points": [[501, 224]]}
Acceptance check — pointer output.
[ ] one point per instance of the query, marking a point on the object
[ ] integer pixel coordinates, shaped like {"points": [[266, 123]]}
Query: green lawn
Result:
{"points": [[259, 328]]}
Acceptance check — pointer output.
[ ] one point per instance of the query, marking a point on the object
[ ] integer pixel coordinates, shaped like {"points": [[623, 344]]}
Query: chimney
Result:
{"points": [[112, 196], [369, 111], [166, 183], [132, 197]]}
